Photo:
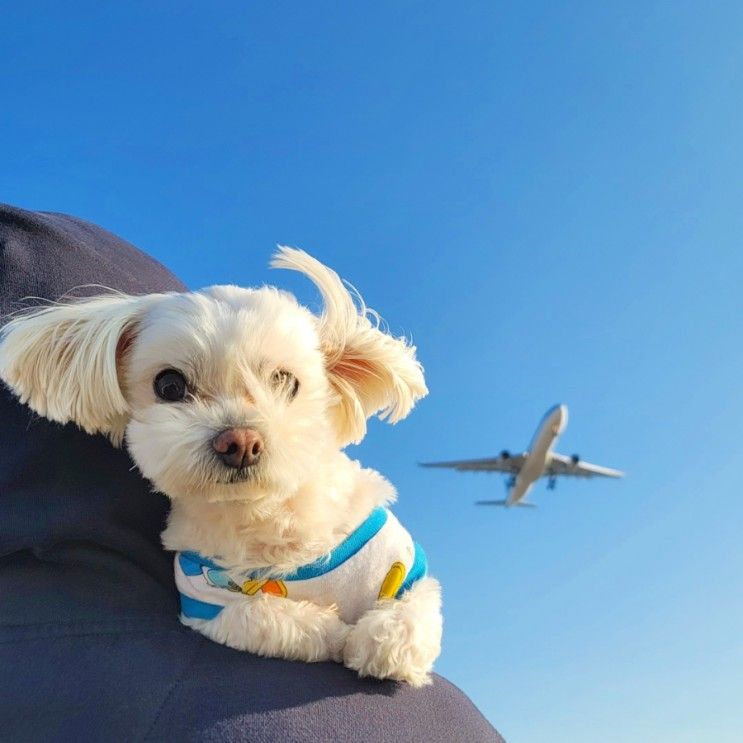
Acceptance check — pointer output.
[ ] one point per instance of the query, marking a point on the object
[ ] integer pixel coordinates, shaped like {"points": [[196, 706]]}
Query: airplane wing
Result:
{"points": [[510, 464], [570, 466]]}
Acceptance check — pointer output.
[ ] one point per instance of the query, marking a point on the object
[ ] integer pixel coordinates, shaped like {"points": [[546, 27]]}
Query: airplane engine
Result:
{"points": [[575, 459]]}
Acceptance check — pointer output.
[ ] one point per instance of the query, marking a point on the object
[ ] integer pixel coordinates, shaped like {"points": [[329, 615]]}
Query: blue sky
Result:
{"points": [[547, 198]]}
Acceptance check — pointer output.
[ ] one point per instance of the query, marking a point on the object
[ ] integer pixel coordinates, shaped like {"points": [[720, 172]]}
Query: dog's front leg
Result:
{"points": [[277, 627], [399, 638]]}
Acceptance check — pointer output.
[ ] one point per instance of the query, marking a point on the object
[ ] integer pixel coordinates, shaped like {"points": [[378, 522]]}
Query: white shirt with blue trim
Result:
{"points": [[379, 559]]}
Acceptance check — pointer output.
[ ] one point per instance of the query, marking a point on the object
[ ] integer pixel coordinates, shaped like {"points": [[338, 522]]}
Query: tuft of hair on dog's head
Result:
{"points": [[370, 371], [64, 360]]}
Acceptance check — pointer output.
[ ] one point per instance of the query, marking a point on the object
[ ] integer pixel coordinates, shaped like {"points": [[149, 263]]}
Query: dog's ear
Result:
{"points": [[370, 371], [64, 360]]}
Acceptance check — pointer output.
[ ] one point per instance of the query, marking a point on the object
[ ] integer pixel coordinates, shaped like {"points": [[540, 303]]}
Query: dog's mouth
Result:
{"points": [[243, 474]]}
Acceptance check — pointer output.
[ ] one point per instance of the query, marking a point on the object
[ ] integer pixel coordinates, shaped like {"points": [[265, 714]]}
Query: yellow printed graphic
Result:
{"points": [[274, 587], [392, 581]]}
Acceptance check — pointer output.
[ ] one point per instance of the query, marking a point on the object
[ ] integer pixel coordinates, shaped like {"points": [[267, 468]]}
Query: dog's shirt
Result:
{"points": [[379, 559]]}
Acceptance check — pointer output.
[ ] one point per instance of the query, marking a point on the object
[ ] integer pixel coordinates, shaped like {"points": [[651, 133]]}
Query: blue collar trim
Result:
{"points": [[192, 562], [346, 549], [364, 533]]}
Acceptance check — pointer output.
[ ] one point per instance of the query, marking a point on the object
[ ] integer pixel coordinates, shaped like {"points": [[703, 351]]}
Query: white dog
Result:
{"points": [[236, 404]]}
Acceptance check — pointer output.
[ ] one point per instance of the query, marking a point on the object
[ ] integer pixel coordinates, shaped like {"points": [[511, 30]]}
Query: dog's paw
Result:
{"points": [[309, 632], [400, 638], [278, 628]]}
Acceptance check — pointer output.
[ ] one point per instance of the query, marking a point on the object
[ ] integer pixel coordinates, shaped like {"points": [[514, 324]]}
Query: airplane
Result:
{"points": [[539, 461]]}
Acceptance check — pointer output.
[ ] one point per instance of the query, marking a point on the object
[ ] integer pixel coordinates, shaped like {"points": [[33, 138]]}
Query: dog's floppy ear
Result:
{"points": [[370, 371], [63, 360]]}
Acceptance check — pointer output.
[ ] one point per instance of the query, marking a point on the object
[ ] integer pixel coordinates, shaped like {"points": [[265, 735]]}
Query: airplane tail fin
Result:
{"points": [[504, 503]]}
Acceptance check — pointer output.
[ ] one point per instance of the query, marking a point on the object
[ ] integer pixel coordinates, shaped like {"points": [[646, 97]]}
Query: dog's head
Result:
{"points": [[224, 394]]}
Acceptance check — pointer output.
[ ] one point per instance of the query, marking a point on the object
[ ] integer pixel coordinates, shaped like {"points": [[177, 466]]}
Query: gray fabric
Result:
{"points": [[90, 645]]}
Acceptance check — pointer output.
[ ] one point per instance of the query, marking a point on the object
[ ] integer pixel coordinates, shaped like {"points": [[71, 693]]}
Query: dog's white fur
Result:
{"points": [[93, 362]]}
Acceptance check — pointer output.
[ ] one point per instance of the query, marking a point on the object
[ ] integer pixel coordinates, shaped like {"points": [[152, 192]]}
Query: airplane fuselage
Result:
{"points": [[538, 461], [552, 425]]}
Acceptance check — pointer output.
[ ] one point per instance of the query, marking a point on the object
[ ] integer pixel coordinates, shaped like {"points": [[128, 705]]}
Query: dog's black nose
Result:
{"points": [[238, 447]]}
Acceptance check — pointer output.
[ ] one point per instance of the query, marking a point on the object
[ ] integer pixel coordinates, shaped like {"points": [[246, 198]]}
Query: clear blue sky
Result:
{"points": [[548, 197]]}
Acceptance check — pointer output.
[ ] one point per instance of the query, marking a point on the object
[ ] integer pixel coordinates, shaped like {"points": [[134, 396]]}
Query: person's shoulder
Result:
{"points": [[231, 696]]}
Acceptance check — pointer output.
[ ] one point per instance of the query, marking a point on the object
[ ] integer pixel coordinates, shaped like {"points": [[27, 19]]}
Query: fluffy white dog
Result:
{"points": [[236, 403]]}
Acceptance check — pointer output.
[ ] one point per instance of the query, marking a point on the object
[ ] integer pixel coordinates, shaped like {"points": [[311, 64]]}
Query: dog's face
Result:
{"points": [[223, 394], [208, 370]]}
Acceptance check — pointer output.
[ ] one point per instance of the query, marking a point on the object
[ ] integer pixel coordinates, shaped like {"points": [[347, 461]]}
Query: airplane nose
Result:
{"points": [[559, 419]]}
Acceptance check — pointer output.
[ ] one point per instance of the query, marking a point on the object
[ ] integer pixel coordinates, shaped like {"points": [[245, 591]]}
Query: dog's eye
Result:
{"points": [[170, 385], [285, 382]]}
